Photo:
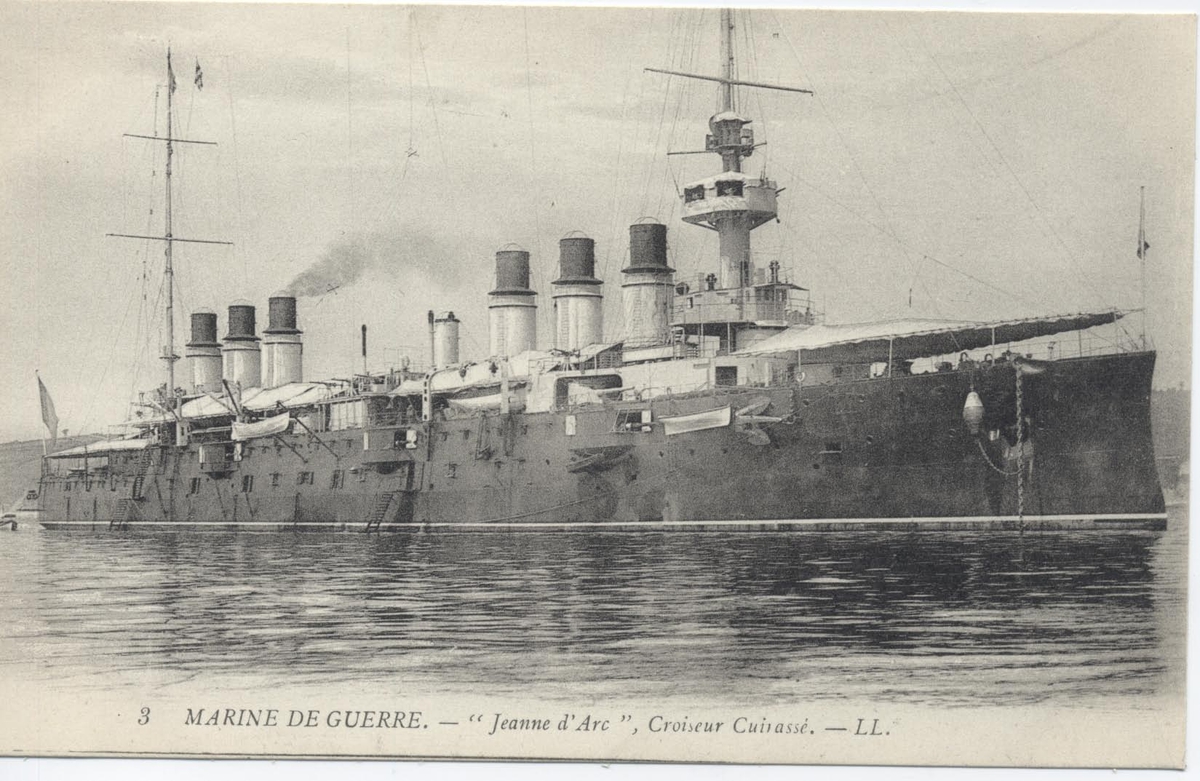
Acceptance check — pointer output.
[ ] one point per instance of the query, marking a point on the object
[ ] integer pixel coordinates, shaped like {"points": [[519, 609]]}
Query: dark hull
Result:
{"points": [[891, 452]]}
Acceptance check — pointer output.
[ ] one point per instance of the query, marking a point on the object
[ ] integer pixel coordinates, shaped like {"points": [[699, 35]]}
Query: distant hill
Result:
{"points": [[1170, 415], [21, 465]]}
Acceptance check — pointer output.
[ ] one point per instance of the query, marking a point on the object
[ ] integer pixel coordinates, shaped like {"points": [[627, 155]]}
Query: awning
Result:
{"points": [[915, 338], [102, 448], [294, 394]]}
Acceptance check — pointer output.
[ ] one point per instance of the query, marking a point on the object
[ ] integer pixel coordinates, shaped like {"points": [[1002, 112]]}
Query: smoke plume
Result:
{"points": [[347, 259]]}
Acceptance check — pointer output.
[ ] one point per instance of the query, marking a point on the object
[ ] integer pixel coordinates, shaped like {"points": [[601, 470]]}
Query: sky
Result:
{"points": [[950, 165]]}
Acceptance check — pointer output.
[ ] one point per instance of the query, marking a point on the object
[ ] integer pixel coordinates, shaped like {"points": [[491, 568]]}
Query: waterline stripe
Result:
{"points": [[946, 521]]}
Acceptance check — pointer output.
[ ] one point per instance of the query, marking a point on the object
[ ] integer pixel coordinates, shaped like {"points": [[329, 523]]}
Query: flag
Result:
{"points": [[170, 76], [48, 415], [199, 79], [1143, 245]]}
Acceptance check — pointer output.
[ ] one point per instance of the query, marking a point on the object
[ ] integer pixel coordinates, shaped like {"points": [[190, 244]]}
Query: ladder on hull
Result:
{"points": [[380, 510], [126, 506], [122, 513]]}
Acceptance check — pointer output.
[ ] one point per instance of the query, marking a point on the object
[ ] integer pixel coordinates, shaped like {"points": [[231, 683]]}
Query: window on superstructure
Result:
{"points": [[729, 188], [247, 483], [275, 476], [338, 480], [726, 375], [304, 478], [693, 193], [194, 486]]}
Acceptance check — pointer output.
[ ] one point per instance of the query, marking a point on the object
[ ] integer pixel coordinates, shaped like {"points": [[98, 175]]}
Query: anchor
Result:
{"points": [[750, 420]]}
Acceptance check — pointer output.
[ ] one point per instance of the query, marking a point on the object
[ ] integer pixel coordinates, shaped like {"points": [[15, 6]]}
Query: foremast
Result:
{"points": [[733, 204]]}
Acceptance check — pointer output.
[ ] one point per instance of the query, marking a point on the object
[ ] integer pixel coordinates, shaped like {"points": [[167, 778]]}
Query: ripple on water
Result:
{"points": [[944, 618]]}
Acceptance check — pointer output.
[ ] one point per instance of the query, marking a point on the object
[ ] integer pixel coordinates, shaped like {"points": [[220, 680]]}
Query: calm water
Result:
{"points": [[922, 618]]}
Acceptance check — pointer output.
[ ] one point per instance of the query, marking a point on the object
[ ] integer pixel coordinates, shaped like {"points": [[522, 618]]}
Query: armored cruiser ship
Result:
{"points": [[729, 402]]}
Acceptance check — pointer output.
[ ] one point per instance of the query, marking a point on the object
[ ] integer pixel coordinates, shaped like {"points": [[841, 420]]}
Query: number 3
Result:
{"points": [[144, 719]]}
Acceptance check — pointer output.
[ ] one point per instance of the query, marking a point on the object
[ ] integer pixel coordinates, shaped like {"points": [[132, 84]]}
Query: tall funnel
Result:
{"points": [[512, 306], [578, 302], [646, 291], [204, 353], [283, 359], [240, 351]]}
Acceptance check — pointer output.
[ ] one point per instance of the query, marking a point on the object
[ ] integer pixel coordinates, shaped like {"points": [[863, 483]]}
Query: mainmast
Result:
{"points": [[169, 271], [168, 355]]}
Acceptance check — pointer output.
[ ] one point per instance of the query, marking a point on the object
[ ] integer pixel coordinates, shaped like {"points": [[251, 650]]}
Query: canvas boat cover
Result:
{"points": [[916, 338], [271, 426], [697, 421], [101, 448]]}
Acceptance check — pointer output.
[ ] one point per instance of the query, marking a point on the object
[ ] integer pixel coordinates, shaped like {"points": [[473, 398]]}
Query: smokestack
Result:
{"points": [[512, 305], [204, 352], [432, 348], [282, 347], [578, 302], [240, 351], [646, 291], [445, 341]]}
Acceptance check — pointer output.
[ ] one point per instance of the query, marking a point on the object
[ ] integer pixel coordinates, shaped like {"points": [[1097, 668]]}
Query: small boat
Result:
{"points": [[24, 511]]}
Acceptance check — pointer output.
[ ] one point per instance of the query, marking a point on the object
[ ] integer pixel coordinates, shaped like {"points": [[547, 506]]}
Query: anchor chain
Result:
{"points": [[1020, 451], [1019, 472], [988, 460]]}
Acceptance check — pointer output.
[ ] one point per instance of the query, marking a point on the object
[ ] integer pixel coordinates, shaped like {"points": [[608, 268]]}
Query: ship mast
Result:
{"points": [[169, 270], [727, 59], [169, 355], [731, 203]]}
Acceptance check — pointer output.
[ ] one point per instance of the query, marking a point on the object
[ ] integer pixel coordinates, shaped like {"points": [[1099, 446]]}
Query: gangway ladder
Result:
{"points": [[379, 510], [126, 506]]}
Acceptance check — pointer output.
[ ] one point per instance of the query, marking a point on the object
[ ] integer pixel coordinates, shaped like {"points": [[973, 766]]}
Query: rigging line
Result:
{"points": [[1020, 184], [854, 161], [237, 177], [112, 351], [668, 172], [681, 53], [353, 211], [924, 228], [901, 243], [613, 216], [410, 150], [544, 273], [437, 128], [756, 74], [685, 96]]}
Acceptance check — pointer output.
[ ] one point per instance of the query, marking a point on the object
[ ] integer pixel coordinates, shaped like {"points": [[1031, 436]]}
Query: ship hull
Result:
{"points": [[890, 452]]}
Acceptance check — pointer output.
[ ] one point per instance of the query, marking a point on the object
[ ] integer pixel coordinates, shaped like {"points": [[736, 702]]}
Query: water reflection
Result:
{"points": [[925, 617]]}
